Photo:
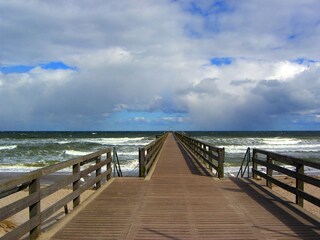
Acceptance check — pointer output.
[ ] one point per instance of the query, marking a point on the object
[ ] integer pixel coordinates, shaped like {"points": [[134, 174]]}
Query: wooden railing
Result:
{"points": [[245, 165], [274, 162], [213, 156], [82, 167], [149, 153]]}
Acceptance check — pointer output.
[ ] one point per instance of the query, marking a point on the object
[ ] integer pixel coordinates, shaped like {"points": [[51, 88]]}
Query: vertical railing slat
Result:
{"points": [[76, 184], [34, 209]]}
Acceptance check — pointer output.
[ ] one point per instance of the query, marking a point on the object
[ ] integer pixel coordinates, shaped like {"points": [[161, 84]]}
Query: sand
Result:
{"points": [[313, 190], [21, 217]]}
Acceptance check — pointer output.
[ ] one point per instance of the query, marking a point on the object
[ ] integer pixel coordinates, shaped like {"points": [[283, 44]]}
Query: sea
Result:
{"points": [[28, 151]]}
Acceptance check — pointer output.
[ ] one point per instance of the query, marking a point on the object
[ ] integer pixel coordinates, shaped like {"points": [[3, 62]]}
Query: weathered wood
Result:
{"points": [[34, 209], [46, 191], [148, 154], [298, 174], [299, 184], [269, 171], [181, 202], [142, 164], [205, 152], [109, 168], [76, 184], [13, 190], [98, 172], [95, 167], [17, 206], [32, 201], [288, 159], [27, 177]]}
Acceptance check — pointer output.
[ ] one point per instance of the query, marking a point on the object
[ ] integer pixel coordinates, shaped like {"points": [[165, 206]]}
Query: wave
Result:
{"points": [[135, 153], [117, 141], [75, 153], [64, 142], [8, 147], [281, 141], [276, 148]]}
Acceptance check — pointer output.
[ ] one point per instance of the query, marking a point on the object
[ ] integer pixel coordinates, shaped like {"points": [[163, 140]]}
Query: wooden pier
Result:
{"points": [[180, 200]]}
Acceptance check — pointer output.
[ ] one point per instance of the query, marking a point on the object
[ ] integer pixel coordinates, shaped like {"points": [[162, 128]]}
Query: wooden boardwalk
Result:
{"points": [[181, 202]]}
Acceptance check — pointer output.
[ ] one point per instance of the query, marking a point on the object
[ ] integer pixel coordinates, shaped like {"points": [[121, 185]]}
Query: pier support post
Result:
{"points": [[299, 184], [109, 166], [254, 164], [76, 184], [269, 171], [220, 163], [34, 209], [142, 163], [98, 172]]}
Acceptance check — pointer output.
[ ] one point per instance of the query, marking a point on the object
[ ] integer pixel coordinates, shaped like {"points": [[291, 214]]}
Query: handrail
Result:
{"points": [[116, 164], [205, 152], [82, 168], [274, 162], [149, 153], [246, 161]]}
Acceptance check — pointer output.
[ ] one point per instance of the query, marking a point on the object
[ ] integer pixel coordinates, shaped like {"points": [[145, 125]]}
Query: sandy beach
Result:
{"points": [[21, 217], [315, 191]]}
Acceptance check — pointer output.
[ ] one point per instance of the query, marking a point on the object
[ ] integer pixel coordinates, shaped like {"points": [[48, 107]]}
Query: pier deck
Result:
{"points": [[180, 201]]}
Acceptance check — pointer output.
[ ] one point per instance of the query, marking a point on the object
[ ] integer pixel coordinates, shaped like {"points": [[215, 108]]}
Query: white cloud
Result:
{"points": [[285, 70], [154, 56]]}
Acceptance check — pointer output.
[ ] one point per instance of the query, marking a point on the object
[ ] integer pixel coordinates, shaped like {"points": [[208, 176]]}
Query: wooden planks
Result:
{"points": [[181, 201]]}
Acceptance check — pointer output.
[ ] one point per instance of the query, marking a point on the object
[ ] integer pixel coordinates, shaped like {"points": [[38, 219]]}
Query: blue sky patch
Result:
{"points": [[221, 61], [304, 61], [16, 69], [56, 65], [26, 68], [218, 6]]}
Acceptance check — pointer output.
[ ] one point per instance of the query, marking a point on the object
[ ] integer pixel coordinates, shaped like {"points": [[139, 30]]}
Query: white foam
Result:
{"points": [[117, 141], [129, 165], [281, 141], [8, 147], [135, 153], [64, 142], [76, 153]]}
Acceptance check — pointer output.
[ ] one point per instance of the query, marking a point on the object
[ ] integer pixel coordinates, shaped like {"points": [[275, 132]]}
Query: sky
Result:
{"points": [[142, 65]]}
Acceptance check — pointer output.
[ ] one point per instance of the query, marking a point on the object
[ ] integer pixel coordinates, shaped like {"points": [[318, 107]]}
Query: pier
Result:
{"points": [[178, 197]]}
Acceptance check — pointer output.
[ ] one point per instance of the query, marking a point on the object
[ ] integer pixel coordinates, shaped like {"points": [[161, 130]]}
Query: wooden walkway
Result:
{"points": [[181, 202]]}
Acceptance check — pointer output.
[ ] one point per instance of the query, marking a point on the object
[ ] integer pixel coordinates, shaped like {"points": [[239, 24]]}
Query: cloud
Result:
{"points": [[210, 65]]}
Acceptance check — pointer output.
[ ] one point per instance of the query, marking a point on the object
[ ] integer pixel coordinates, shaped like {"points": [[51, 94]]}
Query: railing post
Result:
{"points": [[109, 166], [98, 172], [269, 171], [142, 164], [210, 158], [220, 163], [34, 209], [248, 161], [299, 184], [254, 164], [76, 184]]}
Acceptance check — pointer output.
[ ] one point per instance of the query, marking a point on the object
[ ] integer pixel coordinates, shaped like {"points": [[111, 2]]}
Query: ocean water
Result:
{"points": [[26, 151]]}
